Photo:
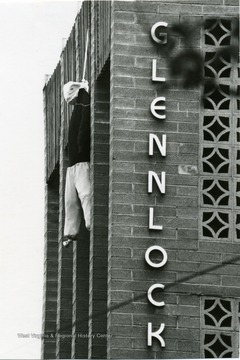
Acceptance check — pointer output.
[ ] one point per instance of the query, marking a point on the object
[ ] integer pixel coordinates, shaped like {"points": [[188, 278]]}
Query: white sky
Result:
{"points": [[30, 45]]}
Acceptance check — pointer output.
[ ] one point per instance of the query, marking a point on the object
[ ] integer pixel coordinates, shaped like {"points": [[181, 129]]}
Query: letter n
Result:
{"points": [[161, 184]]}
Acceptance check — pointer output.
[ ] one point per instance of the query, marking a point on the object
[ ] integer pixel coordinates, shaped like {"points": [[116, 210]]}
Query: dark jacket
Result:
{"points": [[79, 130]]}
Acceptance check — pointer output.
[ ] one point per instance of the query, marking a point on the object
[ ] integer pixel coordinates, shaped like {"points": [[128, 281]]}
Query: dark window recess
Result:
{"points": [[238, 201], [224, 217], [207, 216], [226, 73], [209, 40], [209, 320], [224, 169], [207, 232], [207, 151], [224, 185], [226, 40], [208, 303], [227, 322], [207, 200], [207, 168], [238, 219], [238, 233], [224, 233], [208, 354], [227, 24], [224, 201], [207, 136]]}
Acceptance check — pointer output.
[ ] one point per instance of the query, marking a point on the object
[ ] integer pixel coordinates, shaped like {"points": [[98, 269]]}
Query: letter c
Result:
{"points": [[149, 294]]}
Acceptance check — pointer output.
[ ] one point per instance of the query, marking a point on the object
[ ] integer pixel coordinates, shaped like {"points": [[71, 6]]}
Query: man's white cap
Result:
{"points": [[70, 90]]}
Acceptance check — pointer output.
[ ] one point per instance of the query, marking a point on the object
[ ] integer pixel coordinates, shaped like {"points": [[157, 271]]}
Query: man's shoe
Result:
{"points": [[67, 242]]}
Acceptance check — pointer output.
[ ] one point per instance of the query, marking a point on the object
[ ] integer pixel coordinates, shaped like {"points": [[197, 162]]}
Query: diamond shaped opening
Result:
{"points": [[216, 128], [217, 312], [215, 160], [215, 192], [218, 348], [217, 64], [215, 224], [218, 31]]}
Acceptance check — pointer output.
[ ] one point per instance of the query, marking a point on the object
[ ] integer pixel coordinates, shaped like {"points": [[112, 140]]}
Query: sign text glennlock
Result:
{"points": [[156, 106]]}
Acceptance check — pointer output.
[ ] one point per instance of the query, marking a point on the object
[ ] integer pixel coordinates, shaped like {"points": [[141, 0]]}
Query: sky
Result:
{"points": [[31, 36]]}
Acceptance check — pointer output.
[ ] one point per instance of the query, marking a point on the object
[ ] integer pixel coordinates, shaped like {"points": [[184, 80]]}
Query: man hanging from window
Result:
{"points": [[77, 190]]}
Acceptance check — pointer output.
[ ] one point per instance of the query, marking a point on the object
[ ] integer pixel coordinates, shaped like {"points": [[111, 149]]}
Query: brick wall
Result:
{"points": [[132, 92], [50, 267], [65, 277], [100, 190], [99, 233], [80, 302]]}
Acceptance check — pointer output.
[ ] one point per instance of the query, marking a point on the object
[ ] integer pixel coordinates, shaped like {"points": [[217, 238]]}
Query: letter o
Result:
{"points": [[152, 264], [153, 32]]}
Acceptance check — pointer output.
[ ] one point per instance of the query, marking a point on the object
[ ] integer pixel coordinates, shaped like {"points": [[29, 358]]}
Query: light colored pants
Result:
{"points": [[77, 193]]}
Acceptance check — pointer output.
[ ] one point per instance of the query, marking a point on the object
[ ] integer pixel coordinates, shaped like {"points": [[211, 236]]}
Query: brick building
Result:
{"points": [[158, 274]]}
